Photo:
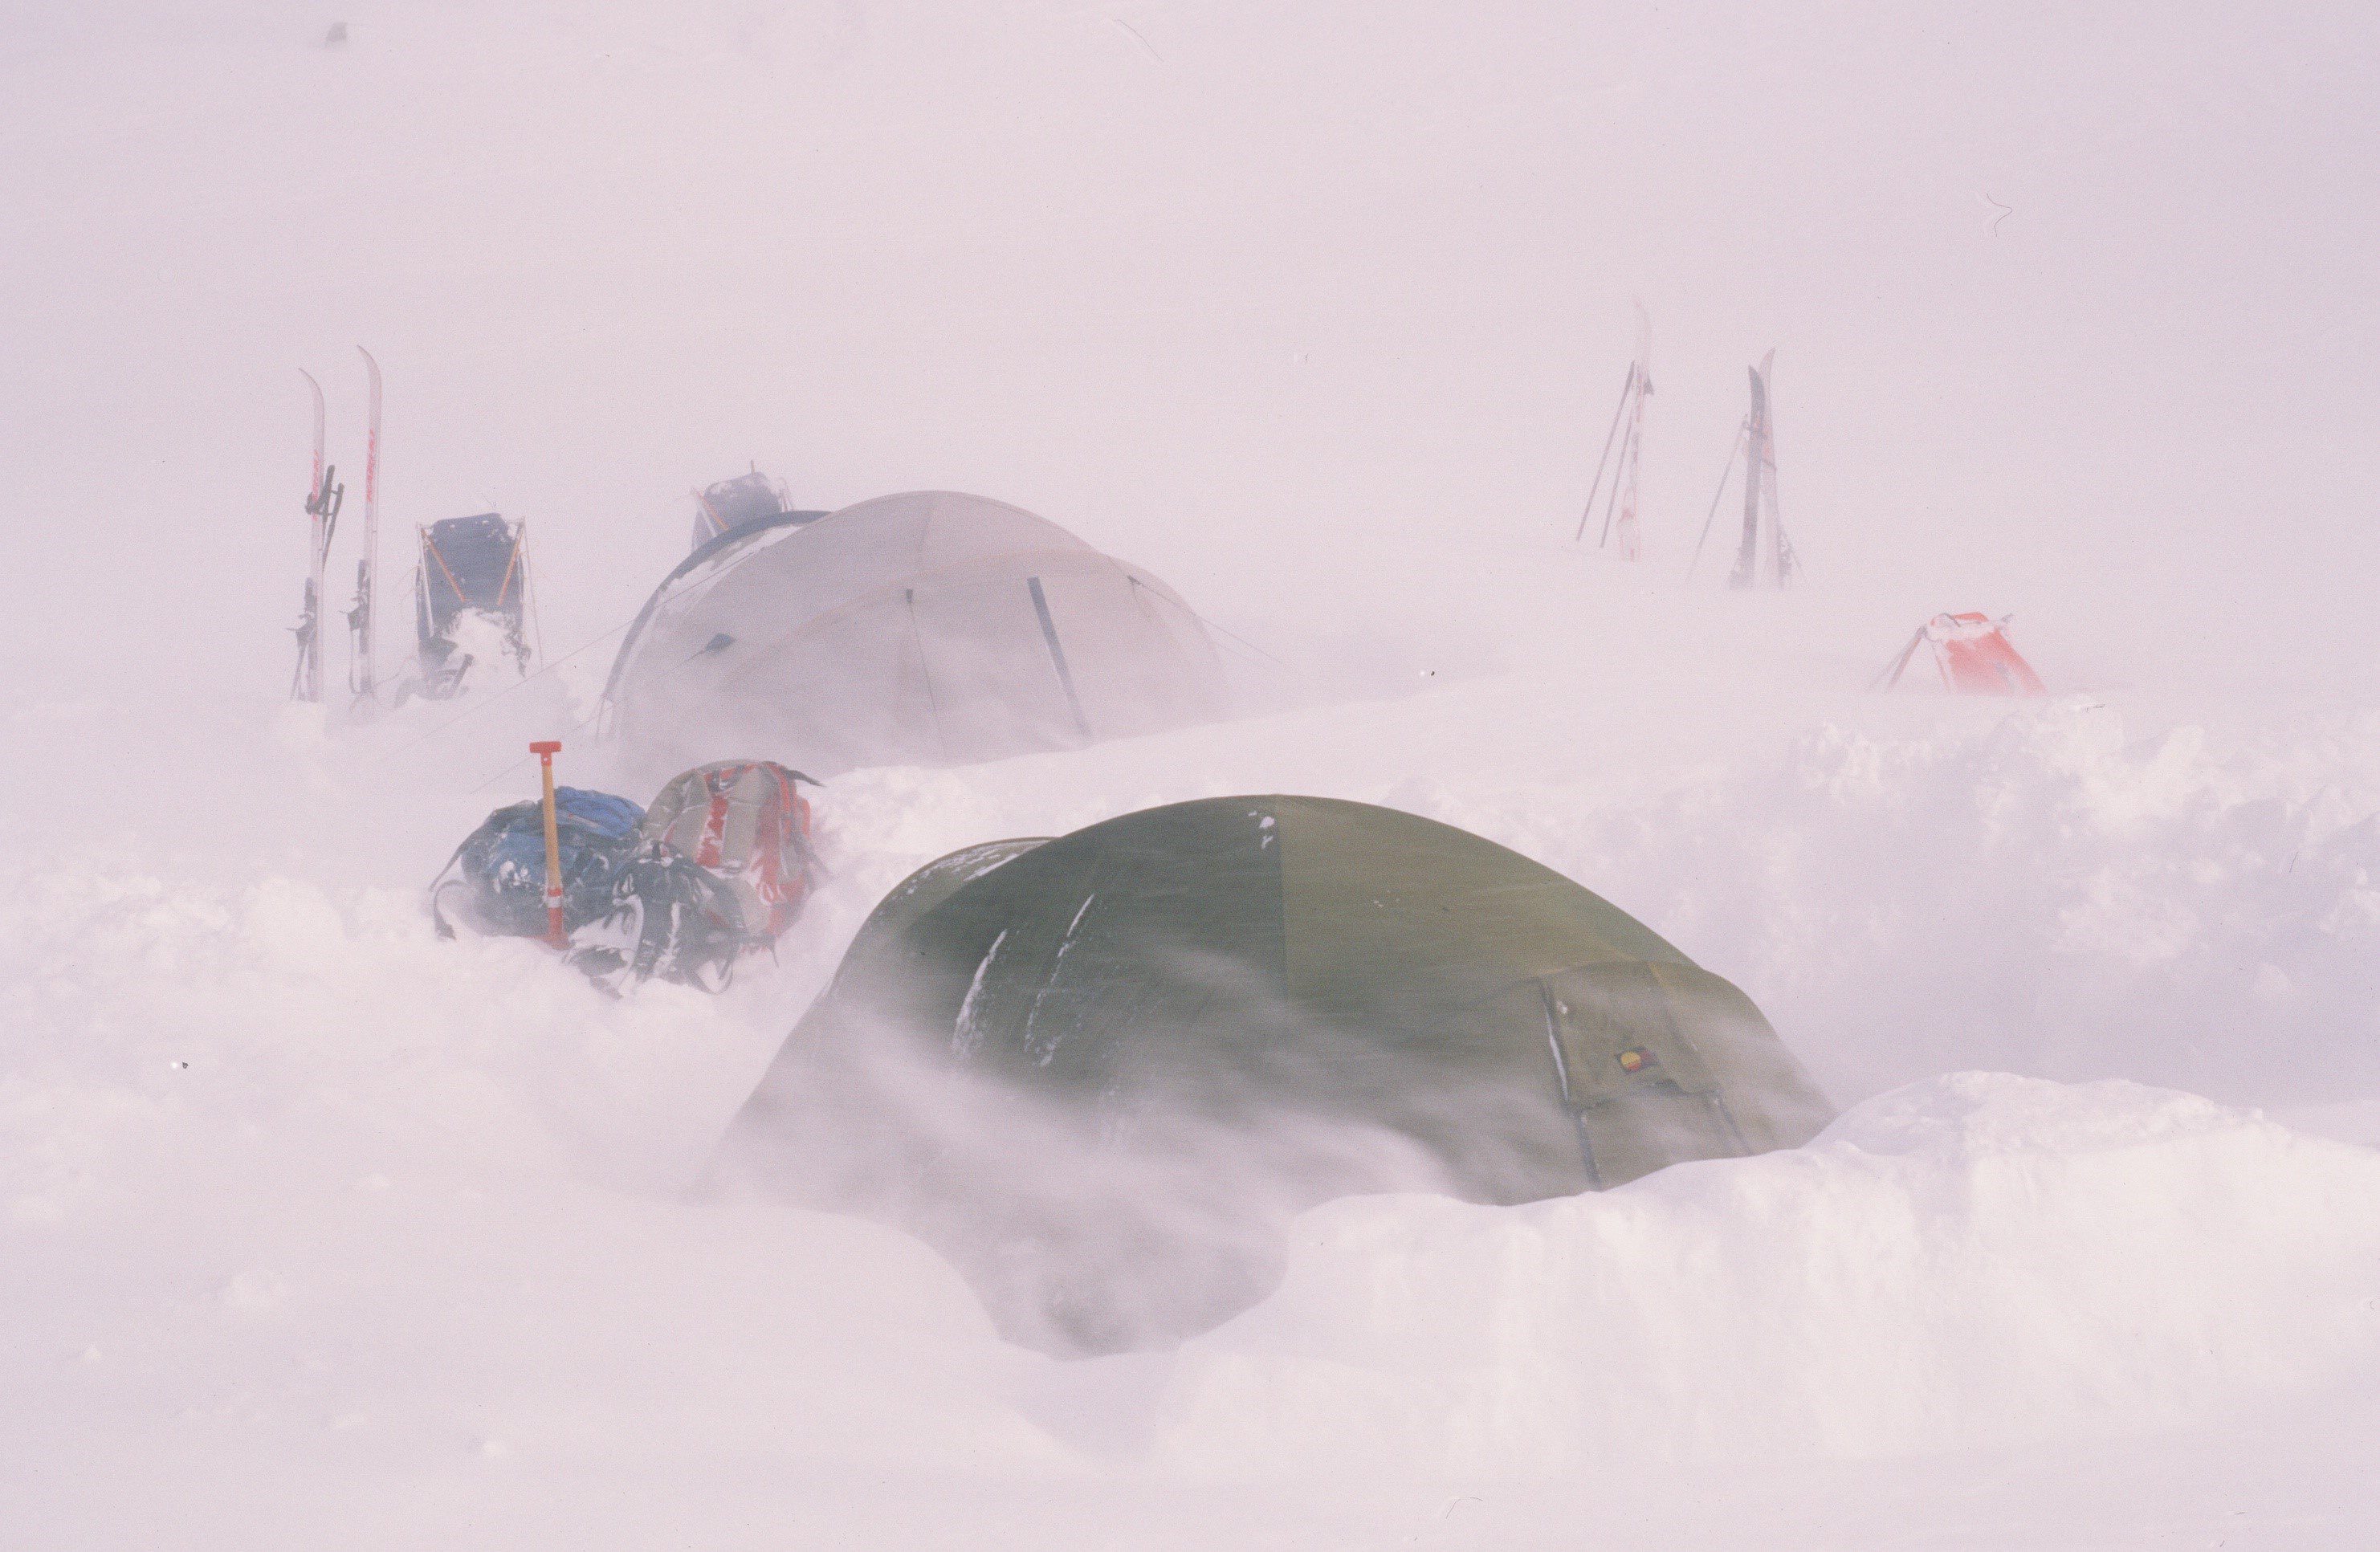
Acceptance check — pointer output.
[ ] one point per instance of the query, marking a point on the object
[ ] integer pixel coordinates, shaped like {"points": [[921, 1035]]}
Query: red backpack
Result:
{"points": [[744, 821]]}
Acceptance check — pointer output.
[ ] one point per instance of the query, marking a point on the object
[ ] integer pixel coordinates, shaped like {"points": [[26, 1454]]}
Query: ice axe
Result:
{"points": [[545, 750]]}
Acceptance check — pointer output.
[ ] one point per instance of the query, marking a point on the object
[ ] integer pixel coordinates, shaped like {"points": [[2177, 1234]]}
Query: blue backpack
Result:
{"points": [[495, 881], [633, 908]]}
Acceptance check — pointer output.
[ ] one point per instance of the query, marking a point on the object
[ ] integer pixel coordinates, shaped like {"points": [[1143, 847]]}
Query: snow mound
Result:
{"points": [[1973, 1261], [291, 1190], [2073, 891]]}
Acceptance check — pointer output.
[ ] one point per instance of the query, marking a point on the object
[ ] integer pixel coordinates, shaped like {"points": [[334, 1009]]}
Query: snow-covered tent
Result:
{"points": [[1100, 1073], [931, 628], [1973, 654]]}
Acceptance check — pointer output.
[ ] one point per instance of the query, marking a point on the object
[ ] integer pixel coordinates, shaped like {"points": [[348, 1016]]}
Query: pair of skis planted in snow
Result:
{"points": [[1765, 556], [325, 496], [1620, 510]]}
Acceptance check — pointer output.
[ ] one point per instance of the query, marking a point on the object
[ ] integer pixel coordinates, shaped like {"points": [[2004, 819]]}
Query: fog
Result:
{"points": [[316, 1229], [2066, 302]]}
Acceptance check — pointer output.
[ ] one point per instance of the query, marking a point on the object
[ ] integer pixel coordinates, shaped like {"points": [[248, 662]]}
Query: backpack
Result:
{"points": [[744, 823], [495, 881], [667, 918]]}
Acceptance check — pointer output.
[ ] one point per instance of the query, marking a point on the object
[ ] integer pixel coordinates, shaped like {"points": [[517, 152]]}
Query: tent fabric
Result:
{"points": [[1336, 957], [921, 892], [1101, 1074], [931, 628], [1366, 959], [1973, 654]]}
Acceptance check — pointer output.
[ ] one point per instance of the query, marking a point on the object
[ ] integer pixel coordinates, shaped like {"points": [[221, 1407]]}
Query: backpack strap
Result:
{"points": [[438, 922]]}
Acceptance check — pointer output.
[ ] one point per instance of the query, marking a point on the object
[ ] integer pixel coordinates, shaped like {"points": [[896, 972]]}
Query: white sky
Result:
{"points": [[1203, 282]]}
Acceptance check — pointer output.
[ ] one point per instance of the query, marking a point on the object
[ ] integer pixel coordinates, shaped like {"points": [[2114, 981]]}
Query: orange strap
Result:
{"points": [[512, 563], [431, 545]]}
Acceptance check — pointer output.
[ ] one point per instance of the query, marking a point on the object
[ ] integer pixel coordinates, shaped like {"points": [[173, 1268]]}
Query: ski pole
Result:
{"points": [[1625, 389], [1728, 468], [545, 750]]}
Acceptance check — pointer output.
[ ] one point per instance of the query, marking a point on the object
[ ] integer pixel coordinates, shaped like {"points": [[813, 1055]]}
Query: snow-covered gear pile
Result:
{"points": [[669, 919], [745, 822], [924, 629], [1183, 1026], [470, 594], [494, 884], [719, 867], [1973, 655]]}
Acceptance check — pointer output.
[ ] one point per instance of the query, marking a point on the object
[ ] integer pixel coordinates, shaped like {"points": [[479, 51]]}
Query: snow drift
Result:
{"points": [[315, 1232], [257, 1209], [1966, 1263], [292, 1192]]}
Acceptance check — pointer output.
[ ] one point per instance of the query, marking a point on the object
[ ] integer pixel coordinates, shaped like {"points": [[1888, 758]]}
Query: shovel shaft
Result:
{"points": [[545, 751]]}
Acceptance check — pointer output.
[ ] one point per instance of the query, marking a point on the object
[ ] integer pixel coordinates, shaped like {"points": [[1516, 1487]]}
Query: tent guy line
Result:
{"points": [[482, 705]]}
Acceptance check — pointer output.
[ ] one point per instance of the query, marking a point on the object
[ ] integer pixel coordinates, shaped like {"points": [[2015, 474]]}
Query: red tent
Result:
{"points": [[1974, 655]]}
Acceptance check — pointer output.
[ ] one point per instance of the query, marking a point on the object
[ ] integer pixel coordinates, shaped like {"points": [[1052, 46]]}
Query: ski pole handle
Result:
{"points": [[545, 750]]}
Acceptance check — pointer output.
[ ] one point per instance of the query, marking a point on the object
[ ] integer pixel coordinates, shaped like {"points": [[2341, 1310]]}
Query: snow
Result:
{"points": [[315, 1231], [1975, 1261]]}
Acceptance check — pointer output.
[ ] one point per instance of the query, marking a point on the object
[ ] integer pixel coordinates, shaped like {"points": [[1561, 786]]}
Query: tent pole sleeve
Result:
{"points": [[1057, 654], [926, 670], [1561, 1079]]}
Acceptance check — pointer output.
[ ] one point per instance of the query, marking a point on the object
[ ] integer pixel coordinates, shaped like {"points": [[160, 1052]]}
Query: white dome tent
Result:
{"points": [[930, 628]]}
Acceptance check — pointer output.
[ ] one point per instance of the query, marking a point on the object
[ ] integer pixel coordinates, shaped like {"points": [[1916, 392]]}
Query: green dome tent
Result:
{"points": [[1214, 977]]}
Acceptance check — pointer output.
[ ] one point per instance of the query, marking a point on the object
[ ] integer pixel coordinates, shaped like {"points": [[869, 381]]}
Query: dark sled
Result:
{"points": [[740, 502], [471, 570]]}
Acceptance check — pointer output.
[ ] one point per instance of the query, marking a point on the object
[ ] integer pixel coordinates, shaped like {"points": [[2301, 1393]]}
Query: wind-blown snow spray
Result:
{"points": [[1103, 1073], [1122, 1223]]}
